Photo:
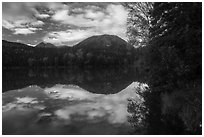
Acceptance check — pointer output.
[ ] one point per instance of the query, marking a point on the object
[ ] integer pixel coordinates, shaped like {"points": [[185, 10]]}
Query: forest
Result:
{"points": [[169, 40], [92, 52]]}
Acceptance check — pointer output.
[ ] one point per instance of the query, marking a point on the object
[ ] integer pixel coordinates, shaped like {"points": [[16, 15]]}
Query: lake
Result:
{"points": [[86, 101], [67, 100]]}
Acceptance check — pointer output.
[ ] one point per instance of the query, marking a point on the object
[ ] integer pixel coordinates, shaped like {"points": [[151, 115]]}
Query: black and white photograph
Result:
{"points": [[101, 68]]}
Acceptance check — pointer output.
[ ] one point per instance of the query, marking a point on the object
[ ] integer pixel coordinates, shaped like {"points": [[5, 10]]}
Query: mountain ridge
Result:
{"points": [[97, 51], [14, 44], [105, 40], [45, 45]]}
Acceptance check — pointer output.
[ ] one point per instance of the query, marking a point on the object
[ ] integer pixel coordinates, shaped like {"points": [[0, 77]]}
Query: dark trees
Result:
{"points": [[176, 44], [174, 59]]}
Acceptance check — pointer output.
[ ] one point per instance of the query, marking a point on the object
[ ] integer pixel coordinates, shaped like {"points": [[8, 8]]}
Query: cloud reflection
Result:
{"points": [[20, 103], [92, 106], [63, 105]]}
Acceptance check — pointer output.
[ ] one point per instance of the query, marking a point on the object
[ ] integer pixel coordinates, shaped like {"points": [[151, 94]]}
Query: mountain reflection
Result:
{"points": [[105, 81], [179, 112], [63, 109]]}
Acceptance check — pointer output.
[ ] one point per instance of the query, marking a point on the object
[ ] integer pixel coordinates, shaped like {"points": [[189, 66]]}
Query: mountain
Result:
{"points": [[111, 43], [8, 44], [45, 45], [104, 50], [96, 51]]}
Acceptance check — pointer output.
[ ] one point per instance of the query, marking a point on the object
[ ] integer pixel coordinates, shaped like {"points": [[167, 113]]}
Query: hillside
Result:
{"points": [[9, 44], [45, 45], [111, 43], [97, 51]]}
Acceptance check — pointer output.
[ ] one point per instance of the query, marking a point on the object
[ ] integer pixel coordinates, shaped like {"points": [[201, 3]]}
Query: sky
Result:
{"points": [[61, 23]]}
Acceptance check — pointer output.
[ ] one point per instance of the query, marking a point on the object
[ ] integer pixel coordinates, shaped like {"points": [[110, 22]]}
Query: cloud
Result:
{"points": [[68, 36], [24, 31], [55, 5], [113, 15], [6, 24], [42, 16], [37, 23], [73, 22], [111, 20], [18, 18], [39, 15], [22, 26], [94, 15]]}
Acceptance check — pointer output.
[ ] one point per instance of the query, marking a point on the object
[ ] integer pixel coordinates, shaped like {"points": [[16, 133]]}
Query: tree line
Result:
{"points": [[15, 55]]}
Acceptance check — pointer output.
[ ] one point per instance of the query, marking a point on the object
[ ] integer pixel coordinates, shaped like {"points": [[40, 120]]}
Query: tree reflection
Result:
{"points": [[138, 110], [187, 106], [179, 112], [104, 80]]}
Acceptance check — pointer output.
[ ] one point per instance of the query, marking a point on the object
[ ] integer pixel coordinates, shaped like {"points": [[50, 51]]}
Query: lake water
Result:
{"points": [[104, 81], [87, 101], [67, 100]]}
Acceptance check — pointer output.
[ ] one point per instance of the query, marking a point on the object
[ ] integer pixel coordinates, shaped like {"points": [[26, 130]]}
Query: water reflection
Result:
{"points": [[178, 112], [88, 101], [187, 105], [106, 81], [64, 109], [138, 110]]}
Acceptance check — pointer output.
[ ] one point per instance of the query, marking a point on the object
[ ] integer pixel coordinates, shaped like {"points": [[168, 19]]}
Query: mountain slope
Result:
{"points": [[45, 45], [8, 44], [97, 51], [112, 43]]}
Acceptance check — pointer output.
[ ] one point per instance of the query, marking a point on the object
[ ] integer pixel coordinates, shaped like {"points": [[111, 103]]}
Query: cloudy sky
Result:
{"points": [[61, 23]]}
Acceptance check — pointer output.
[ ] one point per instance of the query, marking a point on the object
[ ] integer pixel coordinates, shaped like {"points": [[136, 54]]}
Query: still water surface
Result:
{"points": [[94, 101], [67, 101]]}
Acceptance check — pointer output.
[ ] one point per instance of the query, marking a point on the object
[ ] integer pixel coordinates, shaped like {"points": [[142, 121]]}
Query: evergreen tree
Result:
{"points": [[175, 46], [138, 23]]}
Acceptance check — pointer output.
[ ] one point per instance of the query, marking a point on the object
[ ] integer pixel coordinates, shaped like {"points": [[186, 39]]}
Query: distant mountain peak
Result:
{"points": [[105, 41], [45, 45]]}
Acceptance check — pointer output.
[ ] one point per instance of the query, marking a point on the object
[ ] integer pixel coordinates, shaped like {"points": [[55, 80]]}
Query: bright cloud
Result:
{"points": [[7, 24], [39, 15], [18, 18], [114, 15], [43, 16], [60, 37], [72, 22], [22, 26], [112, 20], [23, 31], [37, 23]]}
